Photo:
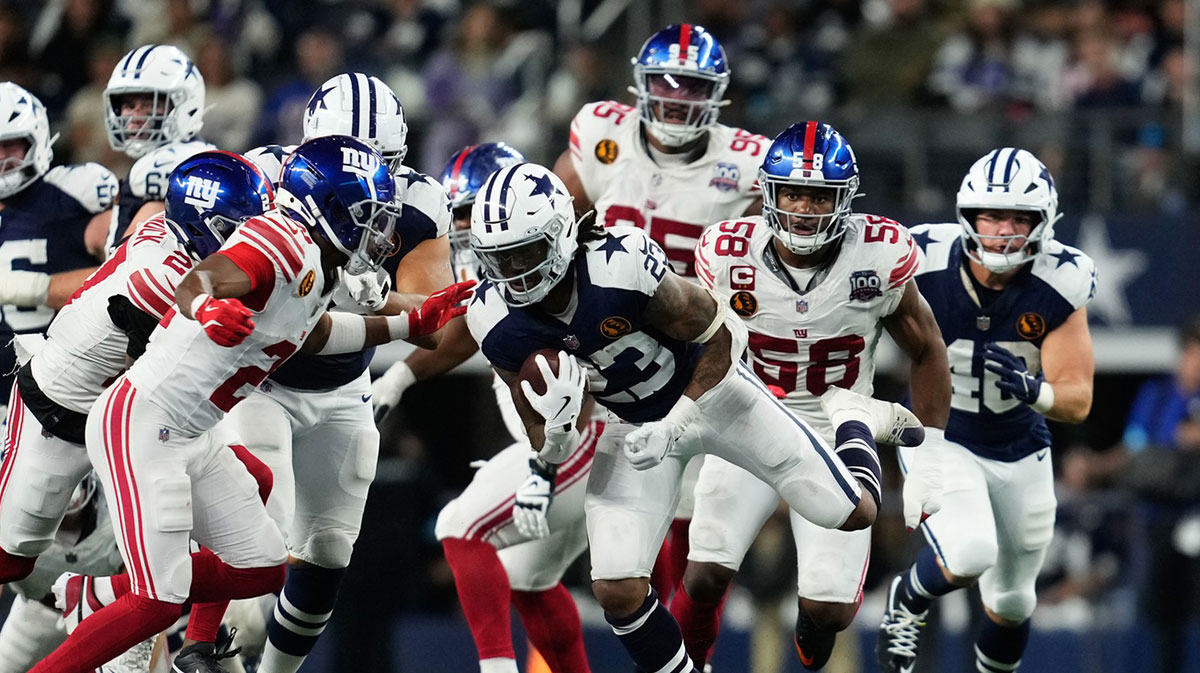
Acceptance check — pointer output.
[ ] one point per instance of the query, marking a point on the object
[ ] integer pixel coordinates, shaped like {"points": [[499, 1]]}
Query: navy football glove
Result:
{"points": [[1015, 378]]}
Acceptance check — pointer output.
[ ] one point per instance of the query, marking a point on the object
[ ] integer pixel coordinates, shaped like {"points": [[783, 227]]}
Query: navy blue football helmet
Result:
{"points": [[210, 194], [341, 188], [680, 77], [809, 154]]}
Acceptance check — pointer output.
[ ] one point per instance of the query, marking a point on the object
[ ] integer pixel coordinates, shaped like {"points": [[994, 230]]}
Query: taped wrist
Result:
{"points": [[683, 413], [399, 326], [24, 288], [560, 443], [194, 307], [347, 334], [399, 377], [1045, 398]]}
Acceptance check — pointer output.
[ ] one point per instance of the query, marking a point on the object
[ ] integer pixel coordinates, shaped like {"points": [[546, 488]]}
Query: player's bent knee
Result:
{"points": [[830, 616], [621, 598], [17, 566], [1013, 607], [329, 548], [450, 524], [706, 582], [970, 557], [863, 515]]}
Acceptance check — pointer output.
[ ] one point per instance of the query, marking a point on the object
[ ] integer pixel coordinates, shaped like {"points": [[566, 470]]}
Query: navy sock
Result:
{"points": [[999, 648], [303, 608], [856, 448], [652, 638], [924, 581]]}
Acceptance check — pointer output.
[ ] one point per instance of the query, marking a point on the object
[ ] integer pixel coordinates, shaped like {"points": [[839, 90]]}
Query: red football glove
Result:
{"points": [[778, 392], [226, 321], [440, 308]]}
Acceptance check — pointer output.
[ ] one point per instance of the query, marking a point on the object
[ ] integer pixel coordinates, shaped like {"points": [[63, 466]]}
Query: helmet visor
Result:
{"points": [[378, 220]]}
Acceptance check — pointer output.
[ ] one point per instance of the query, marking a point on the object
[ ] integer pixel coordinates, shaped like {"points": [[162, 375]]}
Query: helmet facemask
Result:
{"points": [[678, 106], [526, 269], [806, 233], [377, 219], [16, 174], [1014, 250], [152, 130]]}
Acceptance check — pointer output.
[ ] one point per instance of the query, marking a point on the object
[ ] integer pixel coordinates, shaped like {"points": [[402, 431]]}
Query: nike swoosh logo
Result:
{"points": [[1043, 454], [566, 401], [366, 398]]}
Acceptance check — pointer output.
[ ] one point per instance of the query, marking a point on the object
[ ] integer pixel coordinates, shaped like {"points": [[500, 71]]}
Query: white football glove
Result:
{"points": [[387, 389], [533, 500], [651, 443], [369, 290], [925, 480], [563, 400]]}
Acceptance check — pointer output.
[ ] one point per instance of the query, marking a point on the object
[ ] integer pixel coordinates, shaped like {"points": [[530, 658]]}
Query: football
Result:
{"points": [[530, 372]]}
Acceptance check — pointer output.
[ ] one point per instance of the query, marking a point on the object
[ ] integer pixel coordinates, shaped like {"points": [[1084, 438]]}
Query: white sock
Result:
{"points": [[275, 661], [498, 665], [104, 591]]}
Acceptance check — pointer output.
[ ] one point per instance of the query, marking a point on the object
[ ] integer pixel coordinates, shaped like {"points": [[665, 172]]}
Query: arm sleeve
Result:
{"points": [[253, 262]]}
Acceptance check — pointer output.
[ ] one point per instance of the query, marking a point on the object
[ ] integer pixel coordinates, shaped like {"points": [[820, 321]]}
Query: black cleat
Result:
{"points": [[205, 657], [896, 647], [813, 644]]}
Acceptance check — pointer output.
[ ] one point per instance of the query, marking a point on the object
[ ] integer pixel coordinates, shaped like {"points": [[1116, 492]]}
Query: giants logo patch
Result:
{"points": [[201, 192], [725, 177], [865, 286]]}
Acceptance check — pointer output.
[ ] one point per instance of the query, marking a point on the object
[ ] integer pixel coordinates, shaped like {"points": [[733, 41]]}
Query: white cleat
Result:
{"points": [[75, 597], [890, 423], [135, 660]]}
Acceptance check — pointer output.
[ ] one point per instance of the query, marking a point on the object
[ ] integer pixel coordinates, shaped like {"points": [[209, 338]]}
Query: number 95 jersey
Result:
{"points": [[807, 340], [1059, 281], [671, 203]]}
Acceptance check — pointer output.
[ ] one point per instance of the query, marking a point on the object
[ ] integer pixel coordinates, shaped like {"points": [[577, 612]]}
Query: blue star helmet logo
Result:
{"points": [[1045, 175], [542, 184], [318, 98]]}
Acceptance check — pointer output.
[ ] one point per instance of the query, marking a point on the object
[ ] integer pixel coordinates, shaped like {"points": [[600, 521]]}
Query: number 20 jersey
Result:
{"points": [[986, 420], [672, 203], [633, 370], [197, 381], [806, 342]]}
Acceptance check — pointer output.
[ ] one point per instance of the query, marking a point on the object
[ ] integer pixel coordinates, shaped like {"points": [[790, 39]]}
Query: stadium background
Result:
{"points": [[1101, 91]]}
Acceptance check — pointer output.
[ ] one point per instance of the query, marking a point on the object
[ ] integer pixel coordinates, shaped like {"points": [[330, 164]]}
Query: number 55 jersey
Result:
{"points": [[810, 331]]}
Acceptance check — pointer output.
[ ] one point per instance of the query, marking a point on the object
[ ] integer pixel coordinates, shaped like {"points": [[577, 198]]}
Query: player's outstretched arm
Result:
{"points": [[348, 333], [455, 347], [915, 330]]}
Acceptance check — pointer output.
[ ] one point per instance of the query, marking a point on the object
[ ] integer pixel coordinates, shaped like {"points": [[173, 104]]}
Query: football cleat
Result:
{"points": [[896, 646], [75, 597], [813, 644], [206, 657], [890, 423], [135, 660]]}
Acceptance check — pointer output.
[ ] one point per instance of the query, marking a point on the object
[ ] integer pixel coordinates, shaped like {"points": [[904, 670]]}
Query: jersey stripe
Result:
{"points": [[147, 296], [259, 244], [288, 248], [685, 41], [905, 270], [102, 273]]}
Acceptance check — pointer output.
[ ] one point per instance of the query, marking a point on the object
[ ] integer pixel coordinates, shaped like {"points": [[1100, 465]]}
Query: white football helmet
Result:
{"points": [[523, 231], [177, 104], [1007, 179], [363, 107], [22, 116]]}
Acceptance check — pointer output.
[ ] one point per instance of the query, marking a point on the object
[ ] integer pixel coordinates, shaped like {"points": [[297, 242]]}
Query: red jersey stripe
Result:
{"points": [[902, 273], [256, 242], [146, 296], [291, 251]]}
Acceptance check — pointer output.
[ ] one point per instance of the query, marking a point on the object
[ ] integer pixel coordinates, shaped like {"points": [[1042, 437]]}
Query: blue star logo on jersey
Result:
{"points": [[277, 152], [612, 245], [318, 99], [411, 177], [541, 185], [482, 290], [923, 239], [1066, 257]]}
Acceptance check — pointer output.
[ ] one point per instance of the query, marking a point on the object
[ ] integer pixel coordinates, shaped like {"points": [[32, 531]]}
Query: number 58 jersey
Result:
{"points": [[671, 203], [806, 340], [197, 381]]}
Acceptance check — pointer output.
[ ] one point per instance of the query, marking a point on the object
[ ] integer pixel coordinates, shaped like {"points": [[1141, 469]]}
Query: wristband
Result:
{"points": [[398, 326], [399, 376], [24, 288], [683, 413], [559, 444], [1045, 399], [197, 303]]}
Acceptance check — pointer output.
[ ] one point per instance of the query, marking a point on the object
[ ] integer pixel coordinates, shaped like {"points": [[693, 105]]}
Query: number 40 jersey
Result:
{"points": [[806, 339]]}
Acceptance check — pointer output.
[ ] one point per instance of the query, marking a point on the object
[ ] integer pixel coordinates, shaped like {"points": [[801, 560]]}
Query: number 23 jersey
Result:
{"points": [[671, 203], [986, 420], [806, 342]]}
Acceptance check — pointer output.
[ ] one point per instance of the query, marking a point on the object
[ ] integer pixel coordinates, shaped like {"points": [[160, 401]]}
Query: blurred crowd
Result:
{"points": [[519, 70]]}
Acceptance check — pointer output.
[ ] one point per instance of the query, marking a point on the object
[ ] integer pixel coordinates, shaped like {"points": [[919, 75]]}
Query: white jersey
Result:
{"points": [[84, 350], [672, 203], [808, 341], [194, 380]]}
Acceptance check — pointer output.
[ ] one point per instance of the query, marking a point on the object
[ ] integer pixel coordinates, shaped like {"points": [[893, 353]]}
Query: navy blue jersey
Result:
{"points": [[41, 229], [986, 420], [634, 370], [425, 215]]}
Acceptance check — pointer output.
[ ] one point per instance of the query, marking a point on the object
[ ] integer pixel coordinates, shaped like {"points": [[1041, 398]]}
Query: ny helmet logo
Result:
{"points": [[359, 162], [201, 192]]}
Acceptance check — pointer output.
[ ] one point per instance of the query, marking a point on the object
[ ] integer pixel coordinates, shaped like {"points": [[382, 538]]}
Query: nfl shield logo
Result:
{"points": [[571, 341], [801, 306], [164, 434]]}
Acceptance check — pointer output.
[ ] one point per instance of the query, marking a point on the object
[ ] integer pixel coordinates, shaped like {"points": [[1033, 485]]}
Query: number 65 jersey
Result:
{"points": [[807, 339], [1059, 281]]}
